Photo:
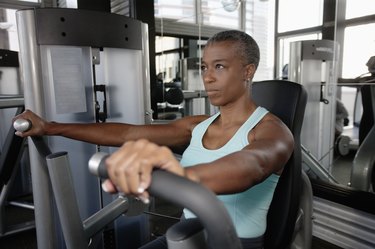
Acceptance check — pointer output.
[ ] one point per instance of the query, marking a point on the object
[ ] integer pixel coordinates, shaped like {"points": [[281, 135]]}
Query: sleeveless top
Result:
{"points": [[248, 209]]}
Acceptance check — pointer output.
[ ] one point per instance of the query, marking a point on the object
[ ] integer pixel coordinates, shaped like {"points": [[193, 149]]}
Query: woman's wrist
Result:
{"points": [[49, 128], [191, 174]]}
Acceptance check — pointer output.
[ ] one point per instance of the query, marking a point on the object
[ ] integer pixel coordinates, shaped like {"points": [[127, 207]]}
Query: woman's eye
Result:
{"points": [[203, 68]]}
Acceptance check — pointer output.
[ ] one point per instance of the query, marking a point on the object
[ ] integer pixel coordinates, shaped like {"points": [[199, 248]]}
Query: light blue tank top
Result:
{"points": [[247, 209]]}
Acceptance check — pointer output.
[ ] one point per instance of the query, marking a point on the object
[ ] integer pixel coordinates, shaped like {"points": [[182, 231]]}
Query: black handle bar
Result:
{"points": [[183, 192]]}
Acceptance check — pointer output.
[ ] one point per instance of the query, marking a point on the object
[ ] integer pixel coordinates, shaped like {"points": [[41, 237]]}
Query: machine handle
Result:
{"points": [[97, 166], [25, 125], [185, 193], [22, 125]]}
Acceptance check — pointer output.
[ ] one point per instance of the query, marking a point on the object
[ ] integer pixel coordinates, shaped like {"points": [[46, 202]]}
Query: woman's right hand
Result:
{"points": [[38, 124], [130, 167]]}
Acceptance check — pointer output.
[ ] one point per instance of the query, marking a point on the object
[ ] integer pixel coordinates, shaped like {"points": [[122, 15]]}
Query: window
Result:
{"points": [[8, 29], [220, 13], [257, 20], [182, 10], [8, 25], [359, 46], [167, 49], [299, 14], [355, 8], [260, 19]]}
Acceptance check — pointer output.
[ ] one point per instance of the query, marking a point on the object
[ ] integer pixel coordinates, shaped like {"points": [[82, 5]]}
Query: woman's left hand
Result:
{"points": [[130, 167]]}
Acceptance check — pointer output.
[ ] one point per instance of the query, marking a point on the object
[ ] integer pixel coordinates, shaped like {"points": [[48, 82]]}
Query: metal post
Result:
{"points": [[66, 201], [42, 193]]}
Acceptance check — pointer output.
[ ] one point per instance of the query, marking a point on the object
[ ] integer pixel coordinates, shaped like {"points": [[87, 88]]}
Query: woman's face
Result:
{"points": [[224, 73]]}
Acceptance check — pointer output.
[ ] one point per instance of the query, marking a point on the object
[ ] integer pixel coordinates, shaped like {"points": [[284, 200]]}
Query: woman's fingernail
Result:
{"points": [[140, 190], [145, 200], [104, 187]]}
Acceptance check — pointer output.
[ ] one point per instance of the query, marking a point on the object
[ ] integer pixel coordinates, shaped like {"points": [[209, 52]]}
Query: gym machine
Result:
{"points": [[77, 233], [15, 186], [196, 100], [82, 66], [199, 233], [313, 64]]}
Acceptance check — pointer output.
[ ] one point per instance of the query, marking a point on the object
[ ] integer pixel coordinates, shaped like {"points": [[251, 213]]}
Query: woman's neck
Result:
{"points": [[236, 114]]}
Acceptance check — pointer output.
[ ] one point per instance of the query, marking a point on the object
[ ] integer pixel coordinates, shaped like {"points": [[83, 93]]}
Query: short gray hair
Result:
{"points": [[248, 48]]}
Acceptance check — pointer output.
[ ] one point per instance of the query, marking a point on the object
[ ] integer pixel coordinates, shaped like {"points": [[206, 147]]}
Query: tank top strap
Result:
{"points": [[202, 127], [250, 123]]}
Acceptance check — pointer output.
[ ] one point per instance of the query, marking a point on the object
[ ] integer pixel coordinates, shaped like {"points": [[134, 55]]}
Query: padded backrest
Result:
{"points": [[286, 100]]}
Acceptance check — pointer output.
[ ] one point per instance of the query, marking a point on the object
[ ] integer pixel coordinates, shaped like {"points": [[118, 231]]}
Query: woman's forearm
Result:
{"points": [[109, 134]]}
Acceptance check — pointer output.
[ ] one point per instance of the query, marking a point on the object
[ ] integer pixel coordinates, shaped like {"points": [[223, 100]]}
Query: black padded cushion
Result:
{"points": [[286, 100]]}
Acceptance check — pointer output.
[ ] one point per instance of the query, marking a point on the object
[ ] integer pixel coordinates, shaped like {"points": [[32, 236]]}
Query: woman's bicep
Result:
{"points": [[274, 143]]}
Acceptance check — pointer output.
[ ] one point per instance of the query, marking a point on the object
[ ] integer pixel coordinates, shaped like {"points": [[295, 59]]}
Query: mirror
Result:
{"points": [[171, 60], [181, 35]]}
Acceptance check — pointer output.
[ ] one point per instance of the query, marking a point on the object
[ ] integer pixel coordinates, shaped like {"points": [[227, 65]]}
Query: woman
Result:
{"points": [[238, 153]]}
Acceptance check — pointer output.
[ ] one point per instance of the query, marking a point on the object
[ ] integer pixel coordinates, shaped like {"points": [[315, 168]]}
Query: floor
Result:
{"points": [[341, 168]]}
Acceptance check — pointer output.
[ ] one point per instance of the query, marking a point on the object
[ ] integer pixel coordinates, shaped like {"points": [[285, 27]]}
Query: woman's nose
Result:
{"points": [[207, 76]]}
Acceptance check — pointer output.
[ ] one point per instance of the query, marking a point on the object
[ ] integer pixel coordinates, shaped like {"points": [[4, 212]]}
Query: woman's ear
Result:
{"points": [[250, 71]]}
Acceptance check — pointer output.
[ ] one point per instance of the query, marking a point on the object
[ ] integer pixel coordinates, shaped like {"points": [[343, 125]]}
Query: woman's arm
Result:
{"points": [[176, 133], [271, 145]]}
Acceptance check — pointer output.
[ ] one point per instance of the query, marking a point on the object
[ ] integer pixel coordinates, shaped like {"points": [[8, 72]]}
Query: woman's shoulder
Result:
{"points": [[270, 120], [190, 121], [194, 119]]}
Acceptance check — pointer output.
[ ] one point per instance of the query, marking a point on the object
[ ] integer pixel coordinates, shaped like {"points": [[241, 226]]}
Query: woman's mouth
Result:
{"points": [[211, 92]]}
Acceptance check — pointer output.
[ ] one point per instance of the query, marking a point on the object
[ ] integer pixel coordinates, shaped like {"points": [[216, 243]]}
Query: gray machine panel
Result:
{"points": [[318, 50], [59, 73], [313, 64], [95, 29]]}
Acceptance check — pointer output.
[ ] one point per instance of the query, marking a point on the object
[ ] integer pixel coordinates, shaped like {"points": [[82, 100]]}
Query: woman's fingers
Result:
{"points": [[37, 124], [131, 166], [109, 187], [125, 167], [144, 175]]}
